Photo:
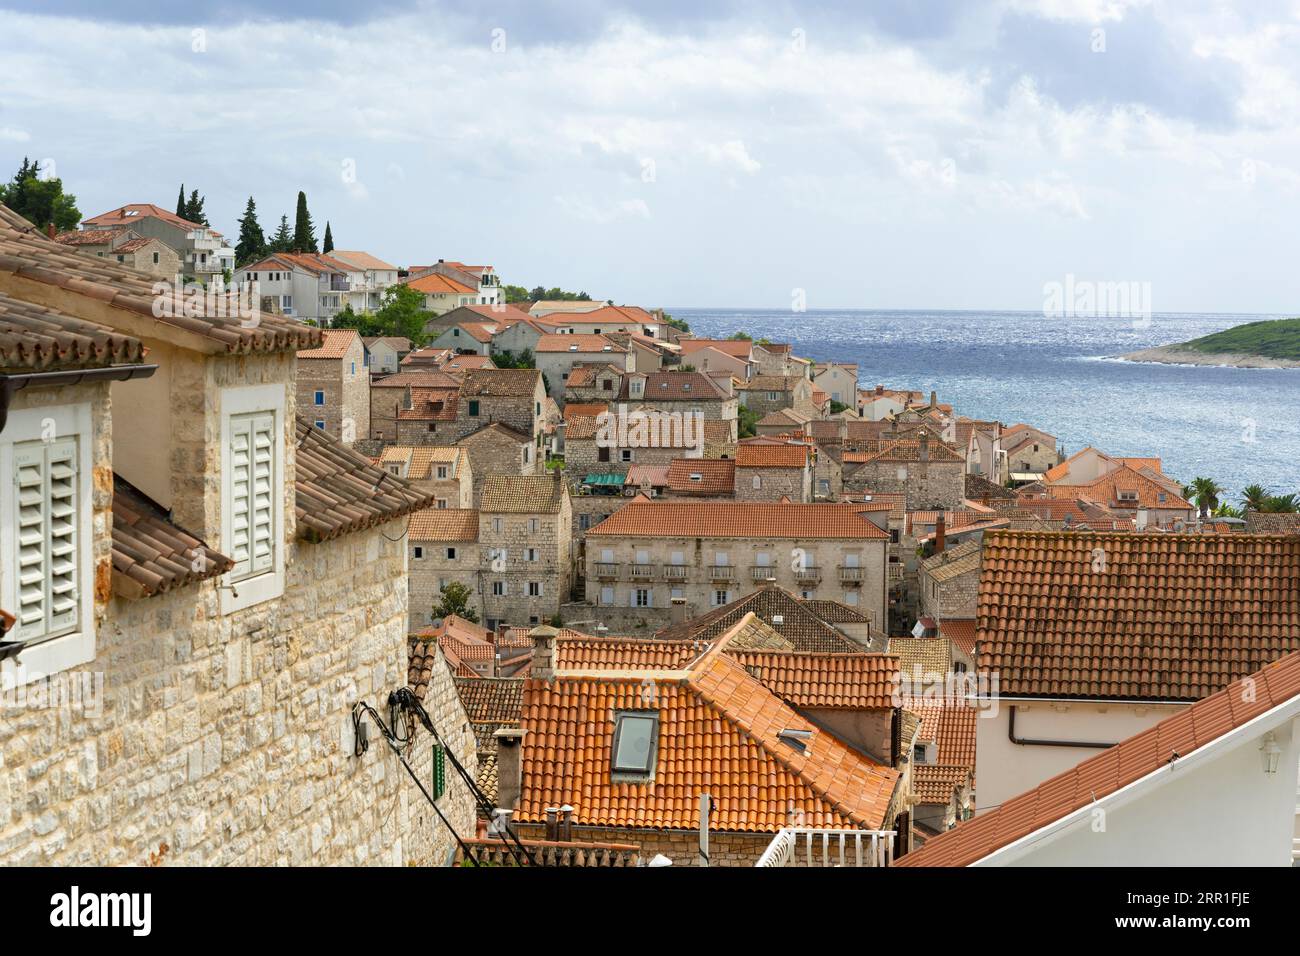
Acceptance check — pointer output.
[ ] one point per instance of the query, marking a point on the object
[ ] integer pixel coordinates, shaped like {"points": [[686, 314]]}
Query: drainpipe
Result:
{"points": [[1035, 742], [9, 384]]}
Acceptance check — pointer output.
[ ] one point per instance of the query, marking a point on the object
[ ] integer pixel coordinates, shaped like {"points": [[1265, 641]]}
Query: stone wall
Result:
{"points": [[428, 574], [552, 568], [632, 621], [774, 484], [955, 598], [927, 487], [228, 739], [495, 453]]}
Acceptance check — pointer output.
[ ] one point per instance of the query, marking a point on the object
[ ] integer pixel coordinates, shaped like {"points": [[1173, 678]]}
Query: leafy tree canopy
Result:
{"points": [[40, 201], [454, 599]]}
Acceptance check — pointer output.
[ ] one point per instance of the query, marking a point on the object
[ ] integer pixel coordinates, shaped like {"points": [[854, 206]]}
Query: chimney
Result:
{"points": [[552, 823], [509, 766], [678, 612], [924, 446], [566, 824], [938, 534], [49, 230], [933, 400], [880, 390], [843, 429], [543, 652]]}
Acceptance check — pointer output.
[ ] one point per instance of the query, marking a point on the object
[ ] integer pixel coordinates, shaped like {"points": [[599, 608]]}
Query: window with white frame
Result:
{"points": [[534, 588], [46, 545], [252, 512], [642, 597], [498, 588], [720, 598], [606, 595]]}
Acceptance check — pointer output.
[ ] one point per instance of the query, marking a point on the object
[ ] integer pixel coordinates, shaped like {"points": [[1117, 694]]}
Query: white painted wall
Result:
{"points": [[1219, 811], [1004, 770]]}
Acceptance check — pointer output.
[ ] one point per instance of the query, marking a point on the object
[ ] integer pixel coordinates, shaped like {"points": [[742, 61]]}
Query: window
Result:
{"points": [[451, 554], [851, 598], [252, 519], [606, 556], [440, 502], [319, 398], [758, 482], [642, 597], [354, 368], [721, 559], [534, 588], [530, 554], [155, 258], [625, 454], [417, 552], [533, 525], [48, 574], [498, 588], [121, 258], [720, 598], [607, 384], [286, 303], [636, 743], [607, 595], [473, 408], [442, 472], [496, 525], [677, 558], [320, 424], [602, 453]]}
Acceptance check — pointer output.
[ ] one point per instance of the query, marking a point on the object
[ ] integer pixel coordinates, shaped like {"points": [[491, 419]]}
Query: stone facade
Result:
{"points": [[526, 561], [334, 394], [932, 486], [773, 484], [634, 571], [434, 564], [953, 599], [224, 737], [498, 450], [478, 406]]}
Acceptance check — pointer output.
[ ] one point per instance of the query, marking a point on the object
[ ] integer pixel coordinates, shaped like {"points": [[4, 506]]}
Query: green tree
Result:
{"points": [[508, 359], [304, 233], [327, 246], [282, 241], [679, 324], [194, 209], [180, 202], [40, 201], [1207, 492], [515, 293], [747, 420], [1253, 497], [454, 599], [401, 314], [741, 337], [1281, 504], [252, 243], [366, 323]]}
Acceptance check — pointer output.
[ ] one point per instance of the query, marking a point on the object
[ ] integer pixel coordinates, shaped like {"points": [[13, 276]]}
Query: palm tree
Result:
{"points": [[1281, 504], [1207, 492], [1253, 497]]}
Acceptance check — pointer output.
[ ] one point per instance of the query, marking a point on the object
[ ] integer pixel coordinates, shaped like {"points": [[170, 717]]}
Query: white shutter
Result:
{"points": [[252, 494], [45, 484]]}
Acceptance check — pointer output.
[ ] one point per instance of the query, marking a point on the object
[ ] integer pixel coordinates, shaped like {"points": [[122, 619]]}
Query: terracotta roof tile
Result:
{"points": [[492, 700], [625, 654], [438, 284], [950, 725], [1130, 760], [522, 494], [35, 338], [962, 634], [922, 655], [27, 254], [773, 456], [674, 387], [935, 783], [339, 490], [150, 553], [444, 524], [799, 624], [717, 476], [335, 344], [505, 382], [818, 680], [1134, 615]]}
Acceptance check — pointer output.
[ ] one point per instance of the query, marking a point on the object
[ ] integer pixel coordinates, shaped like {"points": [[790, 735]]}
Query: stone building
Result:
{"points": [[949, 582], [608, 445], [764, 394], [556, 355], [1029, 452], [678, 393], [839, 380], [428, 416], [701, 478], [511, 396], [128, 248], [201, 555], [391, 394], [443, 544], [525, 542], [334, 385], [384, 353], [441, 471], [590, 382], [498, 449], [928, 472], [712, 726], [773, 472], [708, 553]]}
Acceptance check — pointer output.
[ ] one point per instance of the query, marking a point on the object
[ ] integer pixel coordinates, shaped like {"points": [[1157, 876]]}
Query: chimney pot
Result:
{"points": [[938, 534], [678, 612], [543, 652]]}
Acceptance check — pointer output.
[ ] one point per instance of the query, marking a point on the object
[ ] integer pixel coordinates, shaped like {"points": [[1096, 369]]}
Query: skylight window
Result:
{"points": [[636, 743], [798, 739]]}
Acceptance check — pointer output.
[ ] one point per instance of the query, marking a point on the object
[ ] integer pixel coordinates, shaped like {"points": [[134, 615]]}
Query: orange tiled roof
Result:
{"points": [[335, 344], [1146, 616], [623, 654], [135, 211], [951, 726], [151, 554], [584, 409], [718, 730], [800, 625], [962, 634], [726, 519], [33, 337], [831, 681], [576, 343], [717, 476], [1130, 760], [444, 524], [935, 783], [435, 283], [772, 456]]}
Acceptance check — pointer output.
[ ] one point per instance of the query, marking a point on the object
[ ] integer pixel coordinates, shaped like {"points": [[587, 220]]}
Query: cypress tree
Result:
{"points": [[282, 241], [328, 245], [194, 209], [252, 243], [304, 234], [181, 210]]}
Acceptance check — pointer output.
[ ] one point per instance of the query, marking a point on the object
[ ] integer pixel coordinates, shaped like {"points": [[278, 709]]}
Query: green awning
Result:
{"points": [[603, 480]]}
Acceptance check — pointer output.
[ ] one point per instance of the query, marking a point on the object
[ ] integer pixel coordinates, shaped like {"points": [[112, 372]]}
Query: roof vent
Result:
{"points": [[778, 620], [573, 348], [798, 739]]}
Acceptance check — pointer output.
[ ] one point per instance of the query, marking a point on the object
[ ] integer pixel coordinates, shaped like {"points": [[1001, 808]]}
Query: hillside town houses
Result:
{"points": [[825, 620]]}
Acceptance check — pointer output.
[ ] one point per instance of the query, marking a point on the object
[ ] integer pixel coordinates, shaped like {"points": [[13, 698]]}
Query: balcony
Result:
{"points": [[675, 572], [761, 574], [851, 575], [808, 574], [895, 573], [807, 846], [607, 572], [494, 851], [643, 572], [722, 572]]}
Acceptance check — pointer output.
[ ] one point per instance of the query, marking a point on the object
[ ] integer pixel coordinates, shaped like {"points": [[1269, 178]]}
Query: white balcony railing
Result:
{"points": [[811, 846]]}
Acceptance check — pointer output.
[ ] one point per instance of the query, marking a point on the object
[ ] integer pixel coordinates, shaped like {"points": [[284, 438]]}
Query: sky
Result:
{"points": [[951, 154]]}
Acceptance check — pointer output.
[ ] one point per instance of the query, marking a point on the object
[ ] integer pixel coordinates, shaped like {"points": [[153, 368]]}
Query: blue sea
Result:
{"points": [[1238, 426]]}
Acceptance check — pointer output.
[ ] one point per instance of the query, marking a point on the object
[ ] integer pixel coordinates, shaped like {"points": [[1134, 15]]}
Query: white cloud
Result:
{"points": [[585, 209], [733, 155], [14, 135]]}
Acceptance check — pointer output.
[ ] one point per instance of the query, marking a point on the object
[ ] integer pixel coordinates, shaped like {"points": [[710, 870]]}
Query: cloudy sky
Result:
{"points": [[944, 154]]}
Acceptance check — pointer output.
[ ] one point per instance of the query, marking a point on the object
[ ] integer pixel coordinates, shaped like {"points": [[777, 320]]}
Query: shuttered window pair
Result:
{"points": [[47, 518], [251, 501]]}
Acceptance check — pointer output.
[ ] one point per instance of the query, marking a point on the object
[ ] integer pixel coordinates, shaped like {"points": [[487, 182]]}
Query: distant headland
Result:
{"points": [[1273, 343]]}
